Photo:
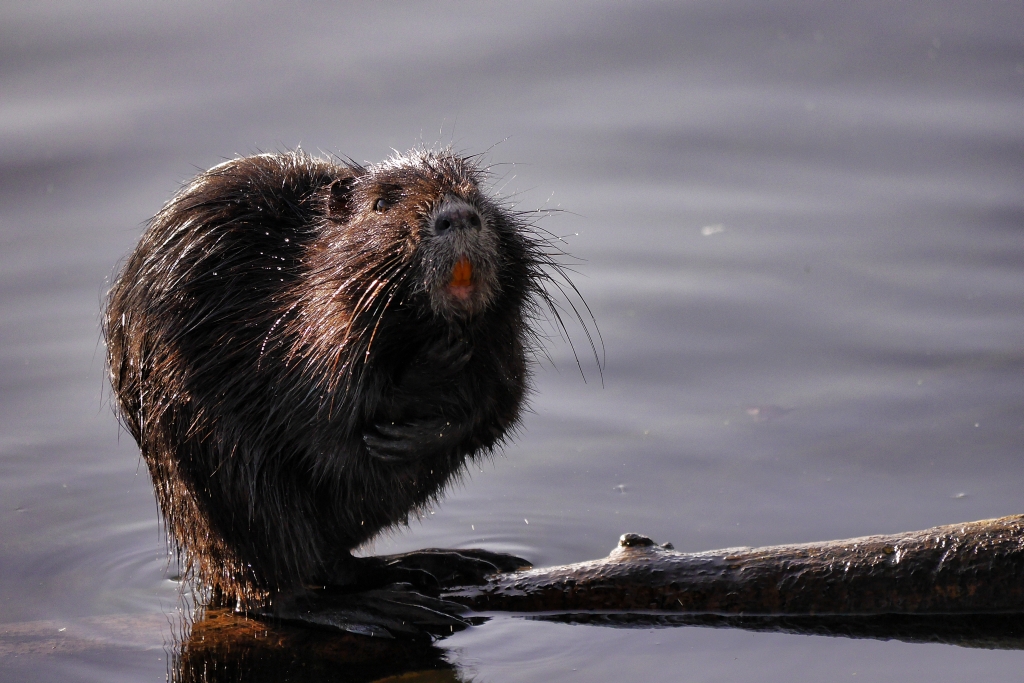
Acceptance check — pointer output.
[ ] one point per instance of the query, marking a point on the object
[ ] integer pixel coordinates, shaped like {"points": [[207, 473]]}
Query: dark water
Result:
{"points": [[803, 233]]}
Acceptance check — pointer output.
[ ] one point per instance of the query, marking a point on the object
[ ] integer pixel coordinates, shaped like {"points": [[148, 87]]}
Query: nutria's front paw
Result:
{"points": [[392, 442], [452, 355]]}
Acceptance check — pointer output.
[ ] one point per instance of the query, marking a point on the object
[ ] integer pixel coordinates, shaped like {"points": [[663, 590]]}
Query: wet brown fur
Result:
{"points": [[275, 352]]}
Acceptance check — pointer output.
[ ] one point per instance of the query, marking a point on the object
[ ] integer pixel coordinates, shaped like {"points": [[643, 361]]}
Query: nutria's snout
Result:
{"points": [[456, 216], [462, 249]]}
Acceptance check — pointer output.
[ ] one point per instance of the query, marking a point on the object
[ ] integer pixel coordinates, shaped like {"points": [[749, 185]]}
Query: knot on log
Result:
{"points": [[634, 541], [640, 541]]}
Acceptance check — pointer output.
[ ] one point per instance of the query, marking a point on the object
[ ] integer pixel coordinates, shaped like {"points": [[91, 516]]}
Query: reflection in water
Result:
{"points": [[989, 631], [223, 647]]}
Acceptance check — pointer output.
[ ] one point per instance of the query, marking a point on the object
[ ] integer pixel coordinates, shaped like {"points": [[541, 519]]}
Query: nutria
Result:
{"points": [[307, 351]]}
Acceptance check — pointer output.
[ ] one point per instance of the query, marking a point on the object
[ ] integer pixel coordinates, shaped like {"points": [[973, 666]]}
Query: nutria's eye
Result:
{"points": [[381, 205]]}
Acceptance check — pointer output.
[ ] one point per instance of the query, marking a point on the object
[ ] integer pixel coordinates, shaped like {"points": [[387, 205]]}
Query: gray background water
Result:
{"points": [[802, 230]]}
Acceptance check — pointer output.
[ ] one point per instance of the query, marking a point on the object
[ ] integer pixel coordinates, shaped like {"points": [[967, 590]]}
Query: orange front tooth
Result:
{"points": [[462, 273]]}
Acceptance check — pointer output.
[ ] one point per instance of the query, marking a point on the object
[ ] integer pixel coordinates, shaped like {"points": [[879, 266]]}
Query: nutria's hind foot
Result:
{"points": [[448, 568], [393, 596], [397, 611], [430, 569]]}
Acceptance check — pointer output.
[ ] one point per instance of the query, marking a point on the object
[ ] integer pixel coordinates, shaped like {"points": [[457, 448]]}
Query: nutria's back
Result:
{"points": [[307, 351]]}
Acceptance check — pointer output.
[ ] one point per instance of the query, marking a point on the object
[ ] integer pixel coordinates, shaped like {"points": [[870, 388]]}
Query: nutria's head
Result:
{"points": [[424, 215]]}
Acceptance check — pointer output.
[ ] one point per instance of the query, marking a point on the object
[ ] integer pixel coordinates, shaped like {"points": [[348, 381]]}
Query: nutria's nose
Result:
{"points": [[457, 218]]}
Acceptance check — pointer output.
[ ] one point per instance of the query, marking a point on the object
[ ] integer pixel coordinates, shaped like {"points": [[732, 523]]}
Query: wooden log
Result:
{"points": [[972, 568]]}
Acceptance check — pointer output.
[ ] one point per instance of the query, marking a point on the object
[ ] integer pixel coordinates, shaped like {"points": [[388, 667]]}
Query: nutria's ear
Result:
{"points": [[340, 197]]}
